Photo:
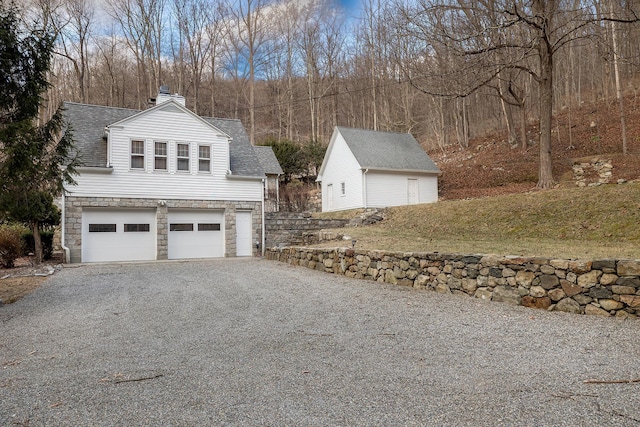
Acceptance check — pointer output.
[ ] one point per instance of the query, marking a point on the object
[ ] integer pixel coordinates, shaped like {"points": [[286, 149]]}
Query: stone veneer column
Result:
{"points": [[257, 231], [230, 230], [162, 232], [73, 228]]}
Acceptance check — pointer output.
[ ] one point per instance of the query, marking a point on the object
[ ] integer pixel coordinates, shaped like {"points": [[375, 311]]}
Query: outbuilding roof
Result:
{"points": [[88, 123], [387, 150], [268, 160]]}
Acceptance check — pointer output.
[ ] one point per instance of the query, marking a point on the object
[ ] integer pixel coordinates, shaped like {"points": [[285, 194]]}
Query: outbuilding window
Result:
{"points": [[343, 188]]}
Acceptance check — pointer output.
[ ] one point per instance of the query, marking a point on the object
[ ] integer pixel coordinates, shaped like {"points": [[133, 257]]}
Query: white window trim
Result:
{"points": [[178, 170], [210, 171], [143, 155], [165, 156]]}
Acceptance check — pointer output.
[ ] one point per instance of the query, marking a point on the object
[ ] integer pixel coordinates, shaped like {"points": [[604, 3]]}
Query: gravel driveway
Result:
{"points": [[255, 342]]}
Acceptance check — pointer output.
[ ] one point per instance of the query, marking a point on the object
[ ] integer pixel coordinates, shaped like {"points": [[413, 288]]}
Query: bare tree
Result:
{"points": [[530, 34], [194, 18], [142, 24], [75, 37], [215, 33], [251, 32]]}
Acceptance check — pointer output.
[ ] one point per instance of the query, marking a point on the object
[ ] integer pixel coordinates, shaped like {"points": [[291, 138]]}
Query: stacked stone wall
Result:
{"points": [[598, 287], [287, 229]]}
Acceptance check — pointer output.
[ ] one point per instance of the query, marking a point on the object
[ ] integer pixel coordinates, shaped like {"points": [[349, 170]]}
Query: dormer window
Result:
{"points": [[204, 158], [137, 154], [160, 158], [183, 157]]}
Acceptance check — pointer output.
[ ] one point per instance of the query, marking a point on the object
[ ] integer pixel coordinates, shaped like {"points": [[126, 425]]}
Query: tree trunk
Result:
{"points": [[545, 11], [37, 242], [545, 176], [619, 94], [523, 126]]}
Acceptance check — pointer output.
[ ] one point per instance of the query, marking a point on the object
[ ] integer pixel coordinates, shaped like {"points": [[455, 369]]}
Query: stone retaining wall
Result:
{"points": [[598, 287], [296, 229]]}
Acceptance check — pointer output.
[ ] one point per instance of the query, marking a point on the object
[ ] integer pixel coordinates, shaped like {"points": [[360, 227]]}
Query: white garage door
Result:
{"points": [[118, 235], [196, 234]]}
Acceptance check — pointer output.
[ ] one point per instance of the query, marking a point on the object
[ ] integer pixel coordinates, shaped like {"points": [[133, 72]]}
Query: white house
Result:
{"points": [[162, 183], [371, 169]]}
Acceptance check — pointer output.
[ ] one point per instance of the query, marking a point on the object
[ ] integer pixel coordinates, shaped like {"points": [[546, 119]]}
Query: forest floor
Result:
{"points": [[490, 166]]}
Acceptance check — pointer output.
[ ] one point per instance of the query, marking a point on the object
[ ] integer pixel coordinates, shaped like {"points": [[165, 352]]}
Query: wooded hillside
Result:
{"points": [[447, 72]]}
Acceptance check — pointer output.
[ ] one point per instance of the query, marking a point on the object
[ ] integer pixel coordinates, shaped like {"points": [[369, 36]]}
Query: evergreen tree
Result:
{"points": [[35, 160]]}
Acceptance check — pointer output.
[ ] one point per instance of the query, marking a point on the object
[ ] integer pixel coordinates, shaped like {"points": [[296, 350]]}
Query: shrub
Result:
{"points": [[11, 246], [296, 197], [47, 242]]}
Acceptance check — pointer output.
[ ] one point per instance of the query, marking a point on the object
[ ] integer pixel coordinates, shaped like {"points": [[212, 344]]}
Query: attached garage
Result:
{"points": [[118, 235], [195, 233]]}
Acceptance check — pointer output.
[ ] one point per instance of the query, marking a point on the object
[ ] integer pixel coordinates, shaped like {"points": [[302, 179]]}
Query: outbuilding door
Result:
{"points": [[195, 233], [118, 235], [412, 192], [330, 197]]}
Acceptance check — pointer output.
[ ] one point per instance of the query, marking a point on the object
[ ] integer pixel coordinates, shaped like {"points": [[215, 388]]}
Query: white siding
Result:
{"points": [[172, 126], [391, 189], [341, 167]]}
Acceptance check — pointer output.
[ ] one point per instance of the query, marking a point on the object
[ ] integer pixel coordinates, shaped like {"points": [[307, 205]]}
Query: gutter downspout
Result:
{"points": [[364, 188], [264, 239], [67, 252], [106, 132], [278, 193]]}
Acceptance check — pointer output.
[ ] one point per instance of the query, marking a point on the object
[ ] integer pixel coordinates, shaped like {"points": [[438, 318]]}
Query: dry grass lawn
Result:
{"points": [[594, 222], [14, 288]]}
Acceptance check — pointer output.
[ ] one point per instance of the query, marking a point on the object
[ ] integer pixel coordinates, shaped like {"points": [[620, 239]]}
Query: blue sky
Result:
{"points": [[352, 6]]}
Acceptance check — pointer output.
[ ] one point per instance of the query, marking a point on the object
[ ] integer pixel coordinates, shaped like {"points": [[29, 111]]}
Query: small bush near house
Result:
{"points": [[47, 242], [11, 246]]}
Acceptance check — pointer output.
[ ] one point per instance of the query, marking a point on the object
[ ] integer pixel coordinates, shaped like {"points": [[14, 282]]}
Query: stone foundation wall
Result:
{"points": [[598, 287], [287, 229], [75, 205]]}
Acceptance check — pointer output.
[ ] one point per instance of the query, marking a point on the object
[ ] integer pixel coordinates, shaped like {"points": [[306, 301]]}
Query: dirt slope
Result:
{"points": [[490, 166]]}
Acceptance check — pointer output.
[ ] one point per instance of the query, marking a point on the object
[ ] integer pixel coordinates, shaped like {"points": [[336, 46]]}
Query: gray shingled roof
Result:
{"points": [[387, 150], [268, 160], [88, 123], [244, 161]]}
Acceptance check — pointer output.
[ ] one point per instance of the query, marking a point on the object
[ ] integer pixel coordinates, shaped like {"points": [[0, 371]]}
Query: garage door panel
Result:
{"points": [[196, 234], [118, 235]]}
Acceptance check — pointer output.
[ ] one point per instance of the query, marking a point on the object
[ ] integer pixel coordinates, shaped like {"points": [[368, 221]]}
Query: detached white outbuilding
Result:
{"points": [[372, 169]]}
